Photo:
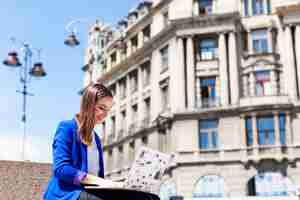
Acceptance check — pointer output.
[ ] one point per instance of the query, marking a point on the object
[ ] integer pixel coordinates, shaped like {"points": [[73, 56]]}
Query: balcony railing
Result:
{"points": [[209, 102]]}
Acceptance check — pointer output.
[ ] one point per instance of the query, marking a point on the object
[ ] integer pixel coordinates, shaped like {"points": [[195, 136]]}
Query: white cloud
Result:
{"points": [[36, 149]]}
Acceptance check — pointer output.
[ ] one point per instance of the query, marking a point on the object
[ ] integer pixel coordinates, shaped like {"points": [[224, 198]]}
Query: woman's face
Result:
{"points": [[103, 106]]}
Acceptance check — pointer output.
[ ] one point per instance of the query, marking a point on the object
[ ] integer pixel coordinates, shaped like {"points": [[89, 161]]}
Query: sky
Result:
{"points": [[42, 25]]}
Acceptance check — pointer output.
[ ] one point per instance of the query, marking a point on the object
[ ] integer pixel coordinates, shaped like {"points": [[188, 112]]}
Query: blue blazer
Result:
{"points": [[70, 164]]}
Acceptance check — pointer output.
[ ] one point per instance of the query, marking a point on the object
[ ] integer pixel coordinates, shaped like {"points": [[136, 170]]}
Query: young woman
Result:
{"points": [[77, 150]]}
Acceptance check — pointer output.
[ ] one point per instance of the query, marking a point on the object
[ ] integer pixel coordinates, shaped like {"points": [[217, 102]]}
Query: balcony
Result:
{"points": [[265, 100], [207, 103], [245, 154]]}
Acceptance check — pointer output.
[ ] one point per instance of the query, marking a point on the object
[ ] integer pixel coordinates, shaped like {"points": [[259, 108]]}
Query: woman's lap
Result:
{"points": [[88, 196]]}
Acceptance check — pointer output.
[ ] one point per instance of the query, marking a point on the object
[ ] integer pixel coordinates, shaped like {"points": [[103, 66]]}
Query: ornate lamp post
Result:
{"points": [[27, 70]]}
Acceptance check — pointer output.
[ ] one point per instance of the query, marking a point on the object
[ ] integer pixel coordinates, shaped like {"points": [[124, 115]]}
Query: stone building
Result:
{"points": [[214, 81]]}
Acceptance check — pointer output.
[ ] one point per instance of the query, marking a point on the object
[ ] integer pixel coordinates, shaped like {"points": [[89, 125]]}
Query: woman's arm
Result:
{"points": [[62, 156], [103, 183]]}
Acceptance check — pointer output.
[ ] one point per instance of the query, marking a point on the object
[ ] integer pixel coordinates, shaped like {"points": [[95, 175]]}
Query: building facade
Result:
{"points": [[217, 82]]}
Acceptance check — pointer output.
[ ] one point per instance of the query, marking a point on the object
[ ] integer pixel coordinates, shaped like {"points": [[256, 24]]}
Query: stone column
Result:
{"points": [[255, 134], [191, 73], [290, 61], [289, 133], [252, 84], [270, 40], [265, 2], [177, 76], [223, 70], [288, 129], [128, 119], [198, 93], [254, 129], [297, 48], [277, 129], [243, 136], [155, 103], [282, 52], [141, 109], [233, 68], [250, 44], [245, 86], [274, 84], [118, 111]]}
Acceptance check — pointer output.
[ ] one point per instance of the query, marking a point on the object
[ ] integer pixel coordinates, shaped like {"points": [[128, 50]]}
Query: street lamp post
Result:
{"points": [[27, 70]]}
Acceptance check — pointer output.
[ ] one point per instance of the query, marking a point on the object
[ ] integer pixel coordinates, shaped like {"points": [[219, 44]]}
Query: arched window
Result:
{"points": [[167, 190], [209, 186], [271, 184]]}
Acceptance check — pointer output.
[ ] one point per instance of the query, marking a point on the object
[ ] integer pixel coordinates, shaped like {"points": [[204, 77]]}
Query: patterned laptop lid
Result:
{"points": [[148, 169]]}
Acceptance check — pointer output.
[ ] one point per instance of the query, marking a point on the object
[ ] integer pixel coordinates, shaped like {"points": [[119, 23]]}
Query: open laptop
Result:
{"points": [[148, 169]]}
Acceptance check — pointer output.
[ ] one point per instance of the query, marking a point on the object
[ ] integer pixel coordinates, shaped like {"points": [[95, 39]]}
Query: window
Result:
{"points": [[165, 97], [270, 184], [282, 128], [249, 131], [131, 151], [146, 33], [209, 186], [265, 129], [123, 88], [147, 108], [113, 58], [167, 190], [164, 52], [103, 130], [262, 83], [260, 41], [113, 125], [134, 114], [123, 120], [145, 140], [208, 49], [146, 70], [134, 43], [258, 7], [208, 92], [134, 81], [208, 134], [166, 19], [205, 7]]}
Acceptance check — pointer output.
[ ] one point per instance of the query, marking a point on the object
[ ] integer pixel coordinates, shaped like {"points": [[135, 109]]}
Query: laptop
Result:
{"points": [[148, 169]]}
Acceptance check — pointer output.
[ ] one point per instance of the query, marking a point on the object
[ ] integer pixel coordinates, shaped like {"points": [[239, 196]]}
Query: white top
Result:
{"points": [[93, 157]]}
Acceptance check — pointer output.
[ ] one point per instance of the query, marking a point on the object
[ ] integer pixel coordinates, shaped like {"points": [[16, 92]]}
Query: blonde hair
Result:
{"points": [[86, 117]]}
